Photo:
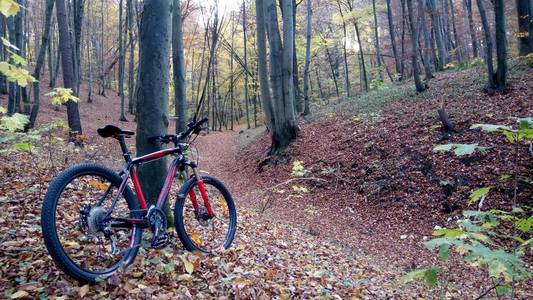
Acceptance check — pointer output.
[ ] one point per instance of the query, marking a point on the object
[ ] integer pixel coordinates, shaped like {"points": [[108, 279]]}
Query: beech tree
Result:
{"points": [[152, 91]]}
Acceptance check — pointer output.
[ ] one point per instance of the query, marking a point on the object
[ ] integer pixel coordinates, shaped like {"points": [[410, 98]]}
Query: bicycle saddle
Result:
{"points": [[113, 131]]}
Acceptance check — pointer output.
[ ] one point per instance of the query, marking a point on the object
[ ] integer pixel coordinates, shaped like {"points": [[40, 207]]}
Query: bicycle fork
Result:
{"points": [[205, 198]]}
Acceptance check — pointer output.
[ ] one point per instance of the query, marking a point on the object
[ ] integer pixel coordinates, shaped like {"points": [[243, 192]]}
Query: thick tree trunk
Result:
{"points": [[69, 78], [307, 64], [501, 44], [362, 56], [40, 61], [524, 19], [414, 41], [152, 92], [178, 67], [285, 128], [488, 45]]}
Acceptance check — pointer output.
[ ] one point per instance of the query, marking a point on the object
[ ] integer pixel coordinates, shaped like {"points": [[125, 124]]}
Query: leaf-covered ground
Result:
{"points": [[378, 191]]}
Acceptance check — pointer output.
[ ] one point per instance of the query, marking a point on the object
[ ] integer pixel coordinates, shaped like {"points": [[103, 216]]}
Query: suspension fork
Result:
{"points": [[203, 193]]}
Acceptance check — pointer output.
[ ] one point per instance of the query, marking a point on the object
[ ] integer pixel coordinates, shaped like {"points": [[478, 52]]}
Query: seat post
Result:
{"points": [[124, 147]]}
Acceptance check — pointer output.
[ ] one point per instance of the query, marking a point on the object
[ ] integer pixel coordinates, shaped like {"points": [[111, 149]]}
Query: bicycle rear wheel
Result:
{"points": [[195, 230], [75, 217]]}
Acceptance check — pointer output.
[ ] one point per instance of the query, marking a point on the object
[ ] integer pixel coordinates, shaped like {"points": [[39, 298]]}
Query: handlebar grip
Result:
{"points": [[202, 121]]}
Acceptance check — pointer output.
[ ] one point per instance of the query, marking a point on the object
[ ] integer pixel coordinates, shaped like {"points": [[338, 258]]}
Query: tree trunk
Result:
{"points": [[344, 52], [414, 41], [121, 64], [441, 46], [40, 61], [246, 100], [309, 29], [67, 63], [426, 57], [152, 92], [178, 67], [376, 38], [501, 44], [131, 64], [285, 128], [488, 45], [393, 37], [471, 27], [524, 19], [78, 10]]}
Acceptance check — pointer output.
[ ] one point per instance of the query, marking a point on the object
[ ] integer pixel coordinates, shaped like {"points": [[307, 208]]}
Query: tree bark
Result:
{"points": [[441, 46], [121, 63], [309, 29], [473, 39], [376, 38], [67, 63], [414, 41], [131, 64], [392, 34], [501, 44], [524, 19], [488, 45], [246, 100], [178, 67], [40, 61], [152, 92]]}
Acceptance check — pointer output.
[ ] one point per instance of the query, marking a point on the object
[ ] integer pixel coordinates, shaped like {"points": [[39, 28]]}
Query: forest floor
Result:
{"points": [[355, 230]]}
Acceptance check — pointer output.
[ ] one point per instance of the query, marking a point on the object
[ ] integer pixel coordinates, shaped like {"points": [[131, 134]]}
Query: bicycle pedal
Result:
{"points": [[160, 241]]}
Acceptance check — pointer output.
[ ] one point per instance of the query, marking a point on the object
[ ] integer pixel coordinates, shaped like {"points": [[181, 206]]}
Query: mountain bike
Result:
{"points": [[92, 222]]}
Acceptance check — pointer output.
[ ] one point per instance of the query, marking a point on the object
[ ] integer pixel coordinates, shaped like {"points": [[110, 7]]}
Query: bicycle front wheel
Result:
{"points": [[77, 217], [195, 229]]}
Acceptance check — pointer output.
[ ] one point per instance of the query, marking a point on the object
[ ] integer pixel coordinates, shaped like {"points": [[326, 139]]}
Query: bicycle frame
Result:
{"points": [[178, 163]]}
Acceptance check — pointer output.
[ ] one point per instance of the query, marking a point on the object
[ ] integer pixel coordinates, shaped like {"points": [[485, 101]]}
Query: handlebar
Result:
{"points": [[194, 128]]}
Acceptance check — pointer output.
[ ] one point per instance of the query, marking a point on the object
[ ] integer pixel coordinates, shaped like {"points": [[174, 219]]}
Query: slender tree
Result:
{"points": [[121, 63], [471, 27], [309, 29], [67, 65], [501, 44], [246, 99], [392, 33], [49, 8], [524, 10], [376, 40], [420, 87], [488, 45], [178, 68]]}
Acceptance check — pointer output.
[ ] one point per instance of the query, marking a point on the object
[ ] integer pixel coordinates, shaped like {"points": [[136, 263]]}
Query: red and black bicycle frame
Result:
{"points": [[178, 164]]}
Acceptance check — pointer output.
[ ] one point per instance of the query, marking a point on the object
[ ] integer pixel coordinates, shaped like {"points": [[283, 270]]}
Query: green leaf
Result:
{"points": [[524, 225], [3, 110], [476, 195], [503, 289], [431, 276], [444, 251], [26, 147], [15, 122], [511, 136], [525, 123], [490, 127], [449, 232], [460, 149], [168, 268]]}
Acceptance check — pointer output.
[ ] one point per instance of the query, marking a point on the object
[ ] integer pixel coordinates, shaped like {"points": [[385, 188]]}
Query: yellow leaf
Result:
{"points": [[83, 290], [189, 267], [137, 274], [18, 294], [196, 239], [98, 185], [9, 7], [224, 206]]}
